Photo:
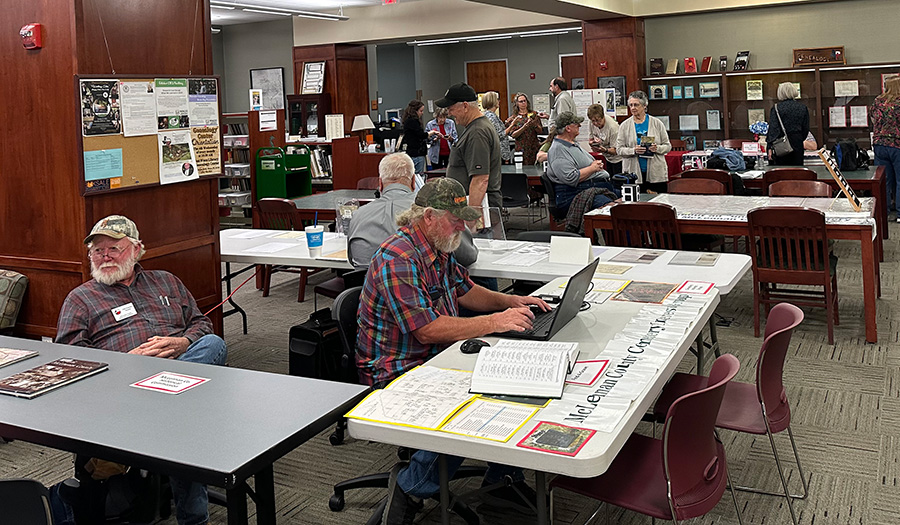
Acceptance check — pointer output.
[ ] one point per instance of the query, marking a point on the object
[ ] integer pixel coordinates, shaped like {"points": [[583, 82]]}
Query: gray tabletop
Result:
{"points": [[219, 433], [328, 200]]}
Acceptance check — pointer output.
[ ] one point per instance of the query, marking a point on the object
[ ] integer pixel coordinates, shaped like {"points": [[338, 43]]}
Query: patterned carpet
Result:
{"points": [[845, 401]]}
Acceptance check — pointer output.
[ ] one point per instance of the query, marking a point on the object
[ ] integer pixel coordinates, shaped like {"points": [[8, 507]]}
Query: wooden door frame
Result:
{"points": [[506, 67], [561, 55]]}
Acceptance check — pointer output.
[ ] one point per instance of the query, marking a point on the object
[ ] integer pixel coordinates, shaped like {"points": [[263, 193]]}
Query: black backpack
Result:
{"points": [[849, 156]]}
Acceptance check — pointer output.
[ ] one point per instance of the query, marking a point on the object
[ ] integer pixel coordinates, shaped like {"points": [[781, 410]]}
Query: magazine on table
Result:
{"points": [[49, 376], [9, 356]]}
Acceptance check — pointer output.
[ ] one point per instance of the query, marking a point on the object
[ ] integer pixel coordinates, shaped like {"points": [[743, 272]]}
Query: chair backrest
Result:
{"points": [[25, 501], [551, 196], [645, 225], [543, 235], [789, 245], [368, 183], [693, 459], [799, 188], [696, 187], [780, 324], [12, 293], [344, 312], [718, 175], [600, 157], [677, 144], [734, 143], [277, 214], [514, 188], [776, 174]]}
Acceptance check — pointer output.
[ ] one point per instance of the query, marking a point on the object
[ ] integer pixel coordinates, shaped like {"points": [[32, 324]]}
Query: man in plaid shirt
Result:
{"points": [[125, 308], [408, 313]]}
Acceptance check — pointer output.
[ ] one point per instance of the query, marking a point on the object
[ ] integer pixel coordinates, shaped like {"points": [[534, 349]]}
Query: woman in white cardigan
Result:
{"points": [[647, 162]]}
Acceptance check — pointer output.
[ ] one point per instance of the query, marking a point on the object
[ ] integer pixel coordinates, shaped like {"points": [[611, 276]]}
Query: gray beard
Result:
{"points": [[449, 244], [123, 269]]}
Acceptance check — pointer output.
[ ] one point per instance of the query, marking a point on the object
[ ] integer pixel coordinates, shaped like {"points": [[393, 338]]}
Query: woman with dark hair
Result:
{"points": [[523, 125], [414, 136], [795, 118]]}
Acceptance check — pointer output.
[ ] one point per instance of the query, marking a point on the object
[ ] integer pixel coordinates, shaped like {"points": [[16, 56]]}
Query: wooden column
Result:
{"points": [[619, 43], [346, 77]]}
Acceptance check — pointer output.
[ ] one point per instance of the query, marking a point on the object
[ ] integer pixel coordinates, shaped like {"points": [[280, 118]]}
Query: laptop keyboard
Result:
{"points": [[542, 322]]}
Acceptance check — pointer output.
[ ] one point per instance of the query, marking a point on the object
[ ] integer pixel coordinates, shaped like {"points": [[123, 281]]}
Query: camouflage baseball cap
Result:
{"points": [[115, 226], [447, 194], [567, 117]]}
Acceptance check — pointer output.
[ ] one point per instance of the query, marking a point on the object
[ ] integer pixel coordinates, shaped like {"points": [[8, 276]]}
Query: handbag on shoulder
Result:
{"points": [[781, 146]]}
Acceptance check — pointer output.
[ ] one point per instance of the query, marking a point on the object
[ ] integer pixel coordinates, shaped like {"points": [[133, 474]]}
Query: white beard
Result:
{"points": [[122, 270], [450, 244]]}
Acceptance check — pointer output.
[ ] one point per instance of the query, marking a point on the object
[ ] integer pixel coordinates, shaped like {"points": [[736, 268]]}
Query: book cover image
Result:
{"points": [[742, 61], [723, 63], [556, 438], [9, 356], [645, 292], [676, 92], [659, 92], [706, 64], [46, 377], [690, 65], [688, 91], [690, 142], [656, 66], [672, 67]]}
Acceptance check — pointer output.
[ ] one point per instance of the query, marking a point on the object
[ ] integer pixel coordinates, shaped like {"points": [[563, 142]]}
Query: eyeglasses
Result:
{"points": [[112, 252]]}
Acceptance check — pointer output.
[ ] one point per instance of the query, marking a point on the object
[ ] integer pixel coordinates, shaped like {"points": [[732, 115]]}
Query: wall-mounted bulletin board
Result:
{"points": [[140, 130]]}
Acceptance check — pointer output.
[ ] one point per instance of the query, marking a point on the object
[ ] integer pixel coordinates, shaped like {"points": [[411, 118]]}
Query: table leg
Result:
{"points": [[870, 282], [264, 487], [237, 505], [445, 489], [540, 488], [235, 309]]}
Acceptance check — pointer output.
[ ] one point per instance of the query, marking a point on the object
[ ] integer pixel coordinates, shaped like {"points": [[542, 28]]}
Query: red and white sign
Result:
{"points": [[695, 287], [170, 382]]}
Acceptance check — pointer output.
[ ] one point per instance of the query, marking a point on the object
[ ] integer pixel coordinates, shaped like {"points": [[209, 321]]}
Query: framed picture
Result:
{"points": [[658, 92], [617, 83], [711, 144], [688, 91], [713, 119], [313, 78], [676, 92], [709, 90], [754, 90], [690, 142], [577, 83], [665, 120], [271, 82], [689, 122], [756, 115]]}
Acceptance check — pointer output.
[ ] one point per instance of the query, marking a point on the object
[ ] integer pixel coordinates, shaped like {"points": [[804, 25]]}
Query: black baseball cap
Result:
{"points": [[461, 92]]}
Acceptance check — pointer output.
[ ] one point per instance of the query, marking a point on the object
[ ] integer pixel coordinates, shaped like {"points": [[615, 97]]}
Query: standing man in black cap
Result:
{"points": [[475, 157]]}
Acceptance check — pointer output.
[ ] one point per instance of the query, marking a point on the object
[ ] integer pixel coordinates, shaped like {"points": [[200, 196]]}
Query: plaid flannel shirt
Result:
{"points": [[163, 304], [408, 285]]}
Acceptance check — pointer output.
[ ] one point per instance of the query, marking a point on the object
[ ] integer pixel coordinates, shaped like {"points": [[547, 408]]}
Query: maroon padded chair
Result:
{"points": [[645, 225], [800, 188], [719, 175], [281, 214], [689, 186], [681, 476], [789, 245], [776, 174], [761, 408]]}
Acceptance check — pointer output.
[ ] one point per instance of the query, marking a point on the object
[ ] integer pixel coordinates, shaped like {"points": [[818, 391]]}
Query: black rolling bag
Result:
{"points": [[316, 350]]}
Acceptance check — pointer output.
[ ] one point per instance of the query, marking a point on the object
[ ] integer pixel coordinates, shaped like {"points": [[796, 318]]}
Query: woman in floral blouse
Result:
{"points": [[524, 125], [884, 118]]}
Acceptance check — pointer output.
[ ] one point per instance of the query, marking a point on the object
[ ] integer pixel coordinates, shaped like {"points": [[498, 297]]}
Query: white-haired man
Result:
{"points": [[125, 308]]}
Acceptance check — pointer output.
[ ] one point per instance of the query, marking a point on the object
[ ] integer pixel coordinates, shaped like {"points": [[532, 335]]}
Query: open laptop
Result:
{"points": [[546, 324]]}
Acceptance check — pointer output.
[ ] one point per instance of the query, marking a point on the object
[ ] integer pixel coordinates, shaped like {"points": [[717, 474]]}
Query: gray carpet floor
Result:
{"points": [[845, 401]]}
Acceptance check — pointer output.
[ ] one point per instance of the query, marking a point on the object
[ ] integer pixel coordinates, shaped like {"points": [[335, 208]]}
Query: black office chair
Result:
{"points": [[514, 188], [25, 501], [344, 312], [557, 217]]}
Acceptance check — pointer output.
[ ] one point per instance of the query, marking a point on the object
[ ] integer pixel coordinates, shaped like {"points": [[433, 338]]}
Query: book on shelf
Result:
{"points": [[49, 376], [9, 356], [742, 61], [672, 67], [656, 66], [723, 63], [690, 65], [705, 64], [523, 368]]}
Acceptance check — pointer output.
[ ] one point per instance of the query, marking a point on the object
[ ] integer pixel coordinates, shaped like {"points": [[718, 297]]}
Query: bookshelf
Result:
{"points": [[234, 183]]}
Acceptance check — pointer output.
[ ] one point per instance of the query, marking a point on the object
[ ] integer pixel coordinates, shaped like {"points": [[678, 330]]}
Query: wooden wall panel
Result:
{"points": [[345, 76], [620, 43]]}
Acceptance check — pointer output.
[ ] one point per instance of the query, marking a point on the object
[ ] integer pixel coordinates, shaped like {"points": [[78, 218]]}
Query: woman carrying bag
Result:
{"points": [[792, 120]]}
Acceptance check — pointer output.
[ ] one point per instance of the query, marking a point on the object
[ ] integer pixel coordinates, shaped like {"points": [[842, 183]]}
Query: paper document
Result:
{"points": [[497, 245], [270, 247], [522, 367], [526, 256], [170, 382], [250, 234], [488, 419], [586, 372], [614, 269], [634, 255], [695, 259]]}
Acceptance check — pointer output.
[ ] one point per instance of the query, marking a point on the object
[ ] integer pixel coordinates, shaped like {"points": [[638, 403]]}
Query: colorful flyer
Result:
{"points": [[695, 287], [556, 439], [170, 382], [171, 103], [100, 108]]}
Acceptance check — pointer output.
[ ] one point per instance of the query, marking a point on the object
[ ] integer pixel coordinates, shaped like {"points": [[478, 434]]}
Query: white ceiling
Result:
{"points": [[224, 17]]}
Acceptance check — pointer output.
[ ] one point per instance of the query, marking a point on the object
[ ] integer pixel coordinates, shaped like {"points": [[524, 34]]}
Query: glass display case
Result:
{"points": [[306, 114], [691, 105], [752, 94], [848, 93]]}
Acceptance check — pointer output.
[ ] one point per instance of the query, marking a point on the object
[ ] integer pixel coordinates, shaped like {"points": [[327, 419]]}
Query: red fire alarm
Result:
{"points": [[532, 76], [31, 36], [604, 65]]}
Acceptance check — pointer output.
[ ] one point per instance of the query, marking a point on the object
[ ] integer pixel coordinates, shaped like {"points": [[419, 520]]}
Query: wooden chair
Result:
{"points": [[776, 174], [645, 225], [691, 186], [790, 246], [281, 214], [677, 144], [718, 175], [734, 143], [800, 188]]}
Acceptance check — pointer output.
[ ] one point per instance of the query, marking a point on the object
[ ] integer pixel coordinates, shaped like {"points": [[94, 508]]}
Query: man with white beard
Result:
{"points": [[409, 312], [125, 308]]}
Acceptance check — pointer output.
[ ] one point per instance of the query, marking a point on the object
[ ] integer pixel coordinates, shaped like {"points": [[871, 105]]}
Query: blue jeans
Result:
{"points": [[191, 499], [419, 164], [422, 479], [889, 157]]}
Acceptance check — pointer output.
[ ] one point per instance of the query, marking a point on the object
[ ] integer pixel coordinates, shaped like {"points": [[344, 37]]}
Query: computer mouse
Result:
{"points": [[473, 346]]}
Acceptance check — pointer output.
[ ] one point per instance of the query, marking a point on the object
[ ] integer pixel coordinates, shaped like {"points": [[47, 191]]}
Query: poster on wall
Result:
{"points": [[177, 162], [606, 97], [138, 108], [541, 103], [203, 102], [171, 104], [617, 83], [207, 150], [100, 108], [313, 78], [271, 82]]}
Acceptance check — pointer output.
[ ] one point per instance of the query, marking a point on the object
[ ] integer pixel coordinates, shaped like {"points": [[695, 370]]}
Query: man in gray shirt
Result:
{"points": [[562, 102], [376, 221]]}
